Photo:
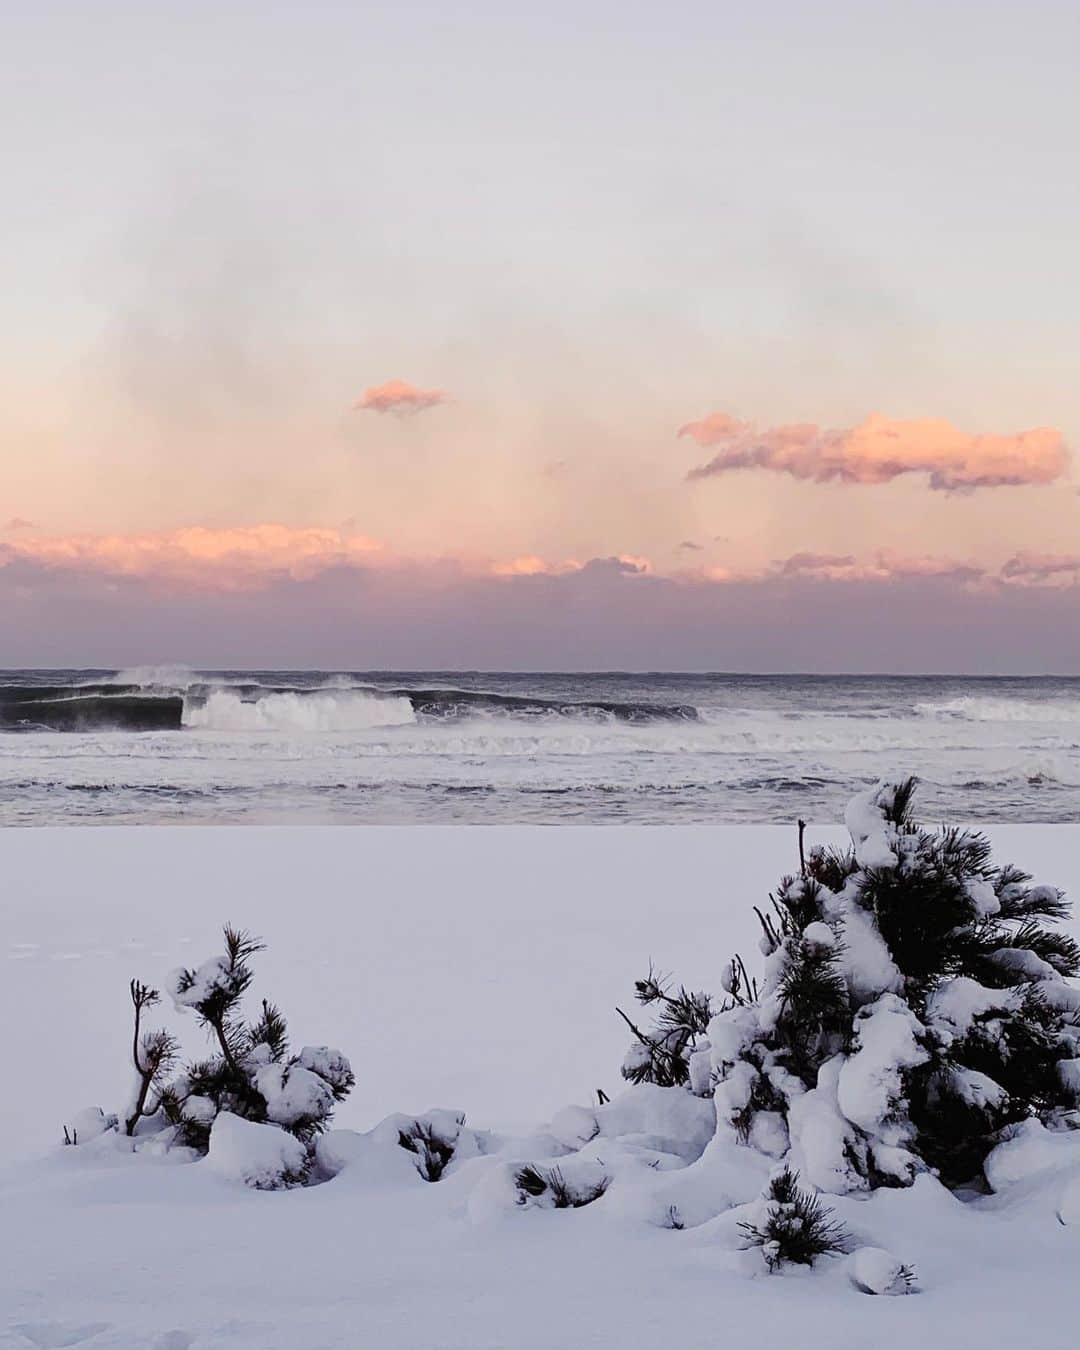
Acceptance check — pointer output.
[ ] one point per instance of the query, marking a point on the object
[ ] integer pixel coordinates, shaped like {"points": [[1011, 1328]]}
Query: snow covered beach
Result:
{"points": [[470, 969]]}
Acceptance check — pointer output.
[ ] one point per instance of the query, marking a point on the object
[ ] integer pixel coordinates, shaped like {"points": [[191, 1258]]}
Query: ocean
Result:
{"points": [[176, 746]]}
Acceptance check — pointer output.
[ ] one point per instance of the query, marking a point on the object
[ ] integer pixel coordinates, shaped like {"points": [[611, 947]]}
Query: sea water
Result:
{"points": [[177, 746]]}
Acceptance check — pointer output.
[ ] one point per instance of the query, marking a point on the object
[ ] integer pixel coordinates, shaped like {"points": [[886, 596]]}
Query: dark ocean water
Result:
{"points": [[173, 745]]}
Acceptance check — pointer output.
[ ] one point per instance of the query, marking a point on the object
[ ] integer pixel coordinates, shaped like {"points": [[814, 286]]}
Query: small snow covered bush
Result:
{"points": [[249, 1077], [915, 1009], [250, 1072], [433, 1140], [551, 1188], [793, 1227]]}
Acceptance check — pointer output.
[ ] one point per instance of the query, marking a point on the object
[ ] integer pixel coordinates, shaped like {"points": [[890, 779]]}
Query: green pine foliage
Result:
{"points": [[794, 1227], [662, 1053], [249, 1070], [553, 1188], [915, 1000]]}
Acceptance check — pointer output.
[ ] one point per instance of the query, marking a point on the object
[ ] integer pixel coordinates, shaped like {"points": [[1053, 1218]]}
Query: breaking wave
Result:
{"points": [[166, 743], [174, 698], [976, 708], [224, 710]]}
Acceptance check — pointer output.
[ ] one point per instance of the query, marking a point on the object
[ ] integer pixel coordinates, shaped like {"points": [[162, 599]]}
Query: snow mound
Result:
{"points": [[261, 1156], [876, 1271], [663, 1119], [1032, 1151], [88, 1124]]}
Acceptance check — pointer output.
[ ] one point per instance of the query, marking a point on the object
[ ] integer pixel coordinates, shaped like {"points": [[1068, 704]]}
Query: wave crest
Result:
{"points": [[223, 710], [980, 708]]}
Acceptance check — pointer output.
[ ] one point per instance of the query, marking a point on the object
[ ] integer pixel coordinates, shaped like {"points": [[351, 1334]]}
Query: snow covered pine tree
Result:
{"points": [[915, 1008], [250, 1075]]}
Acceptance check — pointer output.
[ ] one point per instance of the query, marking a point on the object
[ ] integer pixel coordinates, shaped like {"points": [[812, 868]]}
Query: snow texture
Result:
{"points": [[375, 1255], [876, 1271], [261, 1156]]}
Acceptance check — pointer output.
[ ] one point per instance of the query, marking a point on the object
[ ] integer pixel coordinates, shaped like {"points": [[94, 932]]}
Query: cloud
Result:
{"points": [[1033, 568], [815, 564], [246, 560], [688, 546], [379, 611], [718, 426], [17, 524], [398, 396], [884, 567], [881, 449], [234, 558], [622, 564], [529, 565], [253, 557]]}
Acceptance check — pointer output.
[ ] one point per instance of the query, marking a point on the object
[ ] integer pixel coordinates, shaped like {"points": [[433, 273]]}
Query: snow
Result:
{"points": [[876, 1271], [869, 1084], [670, 1122], [821, 1135], [89, 1123], [1030, 1152], [953, 1009], [872, 836], [212, 975], [329, 1064], [480, 969], [864, 958], [260, 1156], [293, 1093], [1069, 1209]]}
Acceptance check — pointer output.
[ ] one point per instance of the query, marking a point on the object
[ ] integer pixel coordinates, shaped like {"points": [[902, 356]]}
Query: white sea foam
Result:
{"points": [[176, 677], [288, 712], [976, 708], [307, 745]]}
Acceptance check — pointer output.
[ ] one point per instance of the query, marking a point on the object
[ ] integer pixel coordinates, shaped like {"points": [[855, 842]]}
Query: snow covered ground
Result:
{"points": [[464, 968]]}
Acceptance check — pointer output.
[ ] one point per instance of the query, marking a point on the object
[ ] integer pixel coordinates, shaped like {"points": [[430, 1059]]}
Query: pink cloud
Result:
{"points": [[386, 612], [718, 426], [529, 565], [17, 524], [398, 396], [250, 558], [232, 558], [881, 449]]}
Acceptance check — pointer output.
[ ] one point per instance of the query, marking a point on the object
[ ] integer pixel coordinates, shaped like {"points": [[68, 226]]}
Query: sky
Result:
{"points": [[592, 335]]}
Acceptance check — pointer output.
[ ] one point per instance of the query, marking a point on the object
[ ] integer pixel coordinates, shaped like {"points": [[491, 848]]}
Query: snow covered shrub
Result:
{"points": [[432, 1143], [552, 1189], [663, 1054], [250, 1073], [915, 1009], [249, 1076], [793, 1227]]}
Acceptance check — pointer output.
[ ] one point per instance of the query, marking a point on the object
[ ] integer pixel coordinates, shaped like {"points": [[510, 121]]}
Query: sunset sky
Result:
{"points": [[602, 335]]}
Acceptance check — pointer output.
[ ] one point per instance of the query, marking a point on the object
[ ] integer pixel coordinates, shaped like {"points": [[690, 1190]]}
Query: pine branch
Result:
{"points": [[153, 1053]]}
